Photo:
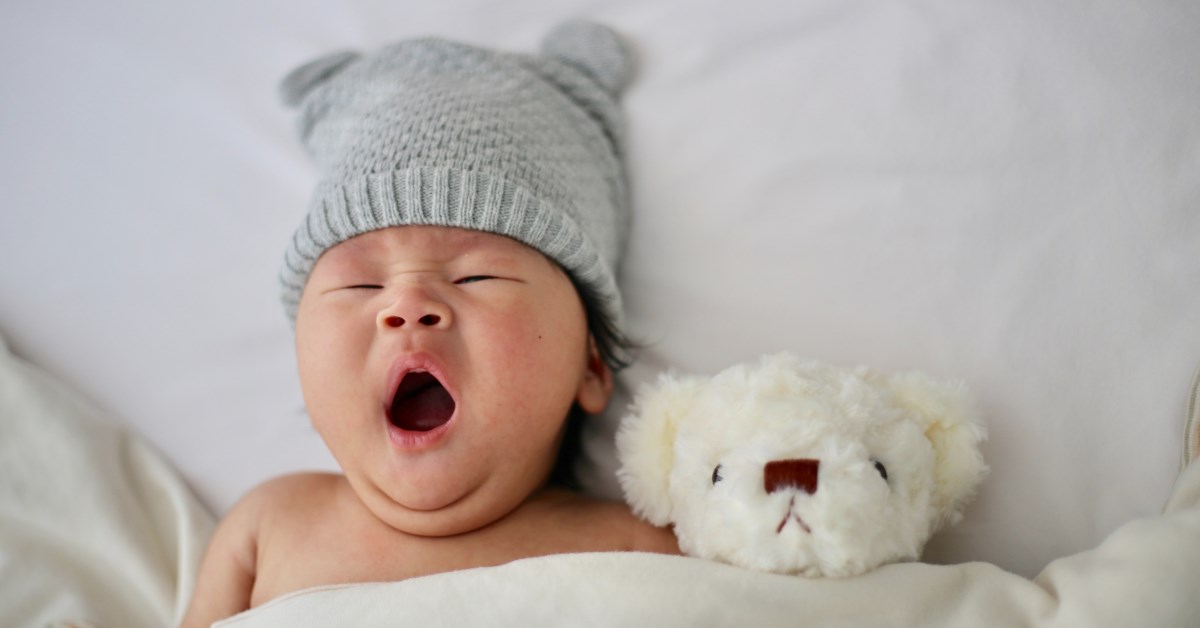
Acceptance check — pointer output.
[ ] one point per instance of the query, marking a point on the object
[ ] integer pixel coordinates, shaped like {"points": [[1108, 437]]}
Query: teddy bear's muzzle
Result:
{"points": [[800, 473]]}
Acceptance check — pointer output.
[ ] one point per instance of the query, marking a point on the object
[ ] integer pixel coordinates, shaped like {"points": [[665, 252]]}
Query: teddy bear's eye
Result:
{"points": [[716, 477], [881, 469]]}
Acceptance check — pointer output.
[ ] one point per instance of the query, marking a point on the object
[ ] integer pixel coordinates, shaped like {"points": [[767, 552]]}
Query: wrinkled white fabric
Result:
{"points": [[95, 527]]}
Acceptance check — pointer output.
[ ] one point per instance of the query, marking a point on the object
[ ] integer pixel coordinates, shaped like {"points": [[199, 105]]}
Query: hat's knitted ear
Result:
{"points": [[594, 49], [299, 82]]}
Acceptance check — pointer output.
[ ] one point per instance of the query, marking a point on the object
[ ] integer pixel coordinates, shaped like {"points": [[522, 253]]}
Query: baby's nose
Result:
{"points": [[428, 320], [800, 473], [416, 311]]}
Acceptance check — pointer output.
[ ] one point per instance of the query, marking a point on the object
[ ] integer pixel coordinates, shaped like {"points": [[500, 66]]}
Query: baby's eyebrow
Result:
{"points": [[347, 250], [493, 255], [340, 262]]}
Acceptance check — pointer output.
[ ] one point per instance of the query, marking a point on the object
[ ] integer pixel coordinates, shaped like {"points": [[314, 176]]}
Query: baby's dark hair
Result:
{"points": [[615, 348], [617, 351]]}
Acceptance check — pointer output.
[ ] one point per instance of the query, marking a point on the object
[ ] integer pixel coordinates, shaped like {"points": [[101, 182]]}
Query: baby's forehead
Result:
{"points": [[433, 242]]}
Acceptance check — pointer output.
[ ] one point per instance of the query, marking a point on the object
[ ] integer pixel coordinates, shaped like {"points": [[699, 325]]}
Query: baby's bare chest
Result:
{"points": [[336, 548], [295, 559]]}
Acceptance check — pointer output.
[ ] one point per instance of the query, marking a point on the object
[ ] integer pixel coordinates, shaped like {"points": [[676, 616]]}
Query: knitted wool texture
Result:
{"points": [[433, 132]]}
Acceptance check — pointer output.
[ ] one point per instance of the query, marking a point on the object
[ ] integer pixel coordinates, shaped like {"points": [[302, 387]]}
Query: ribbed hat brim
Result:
{"points": [[469, 199]]}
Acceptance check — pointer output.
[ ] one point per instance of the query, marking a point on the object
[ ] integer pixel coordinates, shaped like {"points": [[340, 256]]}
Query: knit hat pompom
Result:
{"points": [[432, 132]]}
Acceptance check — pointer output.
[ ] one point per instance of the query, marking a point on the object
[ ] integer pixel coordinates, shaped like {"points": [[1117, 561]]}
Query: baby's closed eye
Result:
{"points": [[374, 286], [473, 279]]}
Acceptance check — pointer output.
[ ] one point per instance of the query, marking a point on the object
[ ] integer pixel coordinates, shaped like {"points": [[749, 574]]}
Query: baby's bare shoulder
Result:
{"points": [[647, 537], [289, 495], [281, 500], [293, 492], [612, 525]]}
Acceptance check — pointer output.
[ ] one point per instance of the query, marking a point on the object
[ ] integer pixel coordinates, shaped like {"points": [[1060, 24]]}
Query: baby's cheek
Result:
{"points": [[321, 405], [334, 398], [541, 341]]}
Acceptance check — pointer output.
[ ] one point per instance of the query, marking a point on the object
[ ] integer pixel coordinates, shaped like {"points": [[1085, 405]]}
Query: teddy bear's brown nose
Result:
{"points": [[780, 474]]}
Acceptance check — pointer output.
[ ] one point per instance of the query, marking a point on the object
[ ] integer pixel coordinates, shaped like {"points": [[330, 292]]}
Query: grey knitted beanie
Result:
{"points": [[432, 132]]}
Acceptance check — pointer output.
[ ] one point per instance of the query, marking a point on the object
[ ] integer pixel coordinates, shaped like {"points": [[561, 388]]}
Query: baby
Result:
{"points": [[454, 303]]}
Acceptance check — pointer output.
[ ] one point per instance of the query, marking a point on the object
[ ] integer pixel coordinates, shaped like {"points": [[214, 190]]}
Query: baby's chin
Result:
{"points": [[436, 515]]}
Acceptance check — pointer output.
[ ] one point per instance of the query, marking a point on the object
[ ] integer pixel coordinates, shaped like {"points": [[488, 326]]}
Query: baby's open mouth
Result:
{"points": [[421, 403]]}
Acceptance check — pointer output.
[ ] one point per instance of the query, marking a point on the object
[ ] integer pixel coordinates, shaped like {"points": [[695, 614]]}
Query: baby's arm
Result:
{"points": [[227, 572]]}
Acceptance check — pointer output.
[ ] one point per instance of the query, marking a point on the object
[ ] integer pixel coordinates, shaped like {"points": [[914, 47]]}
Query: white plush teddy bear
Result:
{"points": [[797, 466]]}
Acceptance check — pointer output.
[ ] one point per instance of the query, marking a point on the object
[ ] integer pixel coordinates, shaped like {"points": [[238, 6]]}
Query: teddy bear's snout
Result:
{"points": [[800, 473]]}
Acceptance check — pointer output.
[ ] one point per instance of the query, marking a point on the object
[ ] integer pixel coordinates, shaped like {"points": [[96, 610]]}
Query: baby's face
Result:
{"points": [[439, 365]]}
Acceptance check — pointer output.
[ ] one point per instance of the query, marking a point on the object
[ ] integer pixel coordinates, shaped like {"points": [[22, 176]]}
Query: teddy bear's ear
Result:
{"points": [[948, 416], [646, 444]]}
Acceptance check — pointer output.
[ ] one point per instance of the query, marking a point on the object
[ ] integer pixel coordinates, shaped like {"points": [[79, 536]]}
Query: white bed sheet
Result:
{"points": [[96, 528], [1004, 192]]}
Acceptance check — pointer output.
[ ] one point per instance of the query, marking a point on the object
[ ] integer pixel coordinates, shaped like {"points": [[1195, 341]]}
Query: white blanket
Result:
{"points": [[95, 528]]}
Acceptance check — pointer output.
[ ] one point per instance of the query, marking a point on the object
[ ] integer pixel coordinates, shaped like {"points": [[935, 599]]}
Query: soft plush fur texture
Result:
{"points": [[923, 433]]}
